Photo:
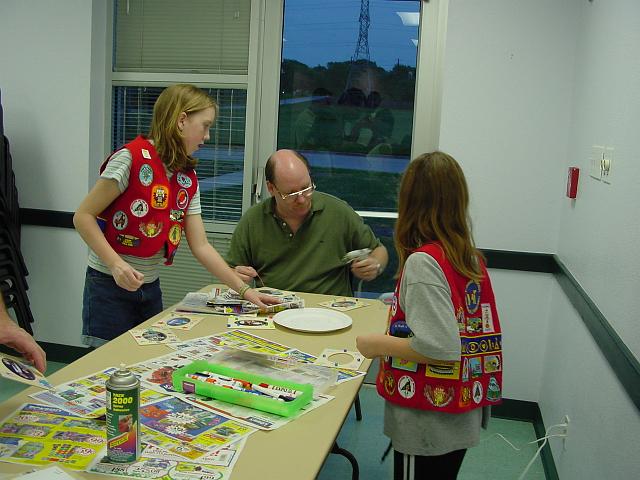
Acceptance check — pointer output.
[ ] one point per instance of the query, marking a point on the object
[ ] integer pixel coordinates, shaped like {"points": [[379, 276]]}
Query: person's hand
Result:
{"points": [[366, 269], [126, 276], [260, 299], [246, 273], [368, 344], [15, 337]]}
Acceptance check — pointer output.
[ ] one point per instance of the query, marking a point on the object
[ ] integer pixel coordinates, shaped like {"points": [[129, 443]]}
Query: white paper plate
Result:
{"points": [[312, 319]]}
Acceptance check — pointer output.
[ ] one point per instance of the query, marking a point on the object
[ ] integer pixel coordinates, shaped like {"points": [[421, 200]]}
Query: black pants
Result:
{"points": [[415, 467]]}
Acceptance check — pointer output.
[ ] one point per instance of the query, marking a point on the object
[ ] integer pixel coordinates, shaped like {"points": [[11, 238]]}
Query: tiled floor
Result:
{"points": [[492, 459]]}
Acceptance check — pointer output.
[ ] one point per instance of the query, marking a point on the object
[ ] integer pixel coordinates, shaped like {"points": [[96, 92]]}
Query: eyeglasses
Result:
{"points": [[305, 192]]}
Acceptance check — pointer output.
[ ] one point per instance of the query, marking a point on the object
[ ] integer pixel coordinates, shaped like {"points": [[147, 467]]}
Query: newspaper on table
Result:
{"points": [[155, 462], [187, 430], [40, 434], [228, 302]]}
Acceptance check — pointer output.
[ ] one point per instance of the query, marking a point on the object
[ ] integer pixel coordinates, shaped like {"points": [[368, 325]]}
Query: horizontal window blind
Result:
{"points": [[220, 161], [186, 274], [195, 36]]}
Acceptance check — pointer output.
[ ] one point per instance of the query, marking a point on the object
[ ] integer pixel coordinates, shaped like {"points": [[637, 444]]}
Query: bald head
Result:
{"points": [[286, 163]]}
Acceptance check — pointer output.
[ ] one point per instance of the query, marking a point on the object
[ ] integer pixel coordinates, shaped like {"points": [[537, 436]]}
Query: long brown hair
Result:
{"points": [[433, 206], [165, 134]]}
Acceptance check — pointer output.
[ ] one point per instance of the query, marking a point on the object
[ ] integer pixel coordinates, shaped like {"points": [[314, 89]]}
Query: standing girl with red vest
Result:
{"points": [[441, 358], [134, 217]]}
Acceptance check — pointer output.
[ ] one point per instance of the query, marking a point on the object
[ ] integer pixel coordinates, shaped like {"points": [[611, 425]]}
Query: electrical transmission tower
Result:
{"points": [[361, 60]]}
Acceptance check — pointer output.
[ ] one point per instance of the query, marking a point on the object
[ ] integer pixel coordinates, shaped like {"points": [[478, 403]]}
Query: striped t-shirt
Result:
{"points": [[118, 168]]}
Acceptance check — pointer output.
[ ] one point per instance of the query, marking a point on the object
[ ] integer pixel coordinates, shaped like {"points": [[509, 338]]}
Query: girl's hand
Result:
{"points": [[260, 299], [126, 276], [368, 344]]}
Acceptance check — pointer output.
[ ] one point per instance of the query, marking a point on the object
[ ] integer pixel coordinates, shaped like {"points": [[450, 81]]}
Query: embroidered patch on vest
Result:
{"points": [[145, 153], [120, 220], [176, 215], [442, 370], [159, 197], [128, 240], [406, 387], [474, 325], [493, 390], [465, 396], [183, 180], [182, 200], [477, 392], [389, 383], [475, 367], [438, 396], [151, 229], [492, 363], [145, 175], [175, 234], [402, 364], [465, 369], [139, 207], [461, 319], [472, 296], [400, 329], [487, 318]]}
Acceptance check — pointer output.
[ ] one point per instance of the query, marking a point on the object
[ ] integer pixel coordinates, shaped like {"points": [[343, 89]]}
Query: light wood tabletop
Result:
{"points": [[295, 451]]}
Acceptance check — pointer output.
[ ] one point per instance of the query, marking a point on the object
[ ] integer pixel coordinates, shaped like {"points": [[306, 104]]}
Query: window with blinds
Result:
{"points": [[194, 36]]}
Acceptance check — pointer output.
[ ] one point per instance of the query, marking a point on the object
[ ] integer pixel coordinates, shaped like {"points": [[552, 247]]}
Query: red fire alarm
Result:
{"points": [[572, 182]]}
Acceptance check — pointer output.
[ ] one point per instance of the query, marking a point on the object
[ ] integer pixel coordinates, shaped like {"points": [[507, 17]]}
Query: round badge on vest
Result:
{"points": [[182, 199], [120, 220], [183, 180], [139, 207], [145, 175]]}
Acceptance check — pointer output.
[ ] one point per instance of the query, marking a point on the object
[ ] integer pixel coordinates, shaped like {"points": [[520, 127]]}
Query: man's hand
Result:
{"points": [[15, 337], [366, 269], [126, 276], [246, 273]]}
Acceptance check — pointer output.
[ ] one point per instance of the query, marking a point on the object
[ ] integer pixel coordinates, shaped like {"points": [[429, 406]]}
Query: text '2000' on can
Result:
{"points": [[123, 428]]}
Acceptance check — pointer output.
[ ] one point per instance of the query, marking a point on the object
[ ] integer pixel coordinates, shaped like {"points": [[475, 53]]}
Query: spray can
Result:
{"points": [[123, 427]]}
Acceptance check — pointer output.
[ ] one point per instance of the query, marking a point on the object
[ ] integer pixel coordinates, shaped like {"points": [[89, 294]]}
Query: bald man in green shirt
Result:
{"points": [[296, 240]]}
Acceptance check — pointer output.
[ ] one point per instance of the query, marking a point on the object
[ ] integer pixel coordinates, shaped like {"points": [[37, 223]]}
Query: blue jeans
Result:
{"points": [[109, 310]]}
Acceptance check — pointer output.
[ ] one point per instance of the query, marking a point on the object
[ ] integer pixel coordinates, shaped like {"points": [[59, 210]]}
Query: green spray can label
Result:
{"points": [[123, 427]]}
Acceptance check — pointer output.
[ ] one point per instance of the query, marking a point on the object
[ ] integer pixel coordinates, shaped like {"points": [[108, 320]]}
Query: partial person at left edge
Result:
{"points": [[134, 217], [19, 339]]}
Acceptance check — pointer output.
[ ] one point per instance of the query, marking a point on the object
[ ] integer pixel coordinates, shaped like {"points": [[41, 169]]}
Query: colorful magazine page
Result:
{"points": [[40, 435], [18, 370]]}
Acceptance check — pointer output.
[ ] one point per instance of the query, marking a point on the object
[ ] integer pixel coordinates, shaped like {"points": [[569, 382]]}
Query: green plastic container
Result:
{"points": [[182, 383]]}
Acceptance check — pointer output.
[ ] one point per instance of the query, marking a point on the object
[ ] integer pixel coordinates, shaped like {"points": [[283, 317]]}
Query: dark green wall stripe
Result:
{"points": [[46, 218], [625, 366]]}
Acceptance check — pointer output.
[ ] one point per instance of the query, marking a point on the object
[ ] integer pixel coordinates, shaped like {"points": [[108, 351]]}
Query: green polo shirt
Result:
{"points": [[309, 260]]}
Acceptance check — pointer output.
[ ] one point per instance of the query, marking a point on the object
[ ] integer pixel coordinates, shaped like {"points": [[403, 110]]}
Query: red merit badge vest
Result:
{"points": [[150, 213], [455, 386]]}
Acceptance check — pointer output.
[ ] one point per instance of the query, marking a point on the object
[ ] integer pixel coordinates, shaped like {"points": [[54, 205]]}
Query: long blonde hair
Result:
{"points": [[433, 206], [165, 134]]}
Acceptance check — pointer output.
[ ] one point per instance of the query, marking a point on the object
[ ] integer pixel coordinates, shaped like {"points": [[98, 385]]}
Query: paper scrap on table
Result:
{"points": [[178, 321], [18, 370], [50, 473], [344, 304], [250, 321], [154, 336]]}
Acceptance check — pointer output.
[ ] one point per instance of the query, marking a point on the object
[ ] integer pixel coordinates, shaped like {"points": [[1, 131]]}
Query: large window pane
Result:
{"points": [[220, 161], [347, 93]]}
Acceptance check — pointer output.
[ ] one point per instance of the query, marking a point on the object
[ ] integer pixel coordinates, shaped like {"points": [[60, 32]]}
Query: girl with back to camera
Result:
{"points": [[441, 358], [134, 217]]}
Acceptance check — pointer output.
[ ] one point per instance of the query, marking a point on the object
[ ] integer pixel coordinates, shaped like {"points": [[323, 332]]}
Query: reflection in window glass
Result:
{"points": [[346, 94], [220, 161]]}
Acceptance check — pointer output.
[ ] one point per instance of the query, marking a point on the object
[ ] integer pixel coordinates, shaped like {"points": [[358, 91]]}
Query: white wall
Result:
{"points": [[49, 93], [600, 233], [505, 113]]}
